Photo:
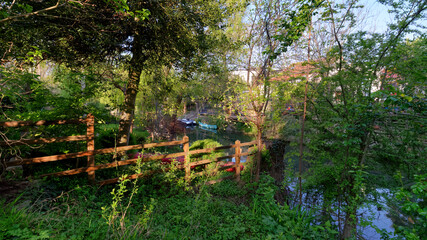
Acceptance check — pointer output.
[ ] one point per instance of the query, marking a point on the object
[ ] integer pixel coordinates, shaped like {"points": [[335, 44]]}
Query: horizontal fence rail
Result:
{"points": [[42, 122], [43, 140], [91, 152]]}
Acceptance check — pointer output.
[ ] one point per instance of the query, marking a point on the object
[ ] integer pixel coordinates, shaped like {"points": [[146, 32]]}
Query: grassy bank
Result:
{"points": [[146, 210]]}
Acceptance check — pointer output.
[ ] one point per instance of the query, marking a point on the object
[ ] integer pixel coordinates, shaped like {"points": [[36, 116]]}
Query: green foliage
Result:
{"points": [[14, 222], [23, 96], [136, 210], [179, 54], [227, 188], [205, 143], [117, 214], [266, 157], [135, 35], [73, 214], [295, 23], [281, 222], [138, 137], [106, 136], [413, 205], [62, 94], [243, 127], [352, 130]]}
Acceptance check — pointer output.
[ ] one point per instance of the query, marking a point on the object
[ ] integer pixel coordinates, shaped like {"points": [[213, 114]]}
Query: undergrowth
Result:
{"points": [[162, 206], [139, 210]]}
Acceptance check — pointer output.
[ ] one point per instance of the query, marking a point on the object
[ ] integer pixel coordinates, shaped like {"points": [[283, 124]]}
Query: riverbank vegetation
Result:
{"points": [[158, 210], [338, 111]]}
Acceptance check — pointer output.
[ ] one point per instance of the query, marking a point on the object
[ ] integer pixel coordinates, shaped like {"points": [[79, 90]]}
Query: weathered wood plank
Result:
{"points": [[100, 151], [238, 152], [90, 134], [41, 122], [43, 140], [131, 161], [187, 167], [52, 158], [105, 166], [201, 162], [247, 154], [248, 143], [96, 152], [136, 147], [207, 161], [91, 152]]}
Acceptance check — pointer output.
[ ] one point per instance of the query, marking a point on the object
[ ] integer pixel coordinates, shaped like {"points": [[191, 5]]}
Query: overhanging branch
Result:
{"points": [[32, 13]]}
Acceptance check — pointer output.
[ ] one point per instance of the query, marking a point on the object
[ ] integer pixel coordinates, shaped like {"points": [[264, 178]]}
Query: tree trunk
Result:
{"points": [[126, 117], [350, 223], [259, 143]]}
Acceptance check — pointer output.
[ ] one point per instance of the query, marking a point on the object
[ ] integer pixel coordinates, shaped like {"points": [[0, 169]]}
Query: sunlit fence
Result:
{"points": [[186, 165]]}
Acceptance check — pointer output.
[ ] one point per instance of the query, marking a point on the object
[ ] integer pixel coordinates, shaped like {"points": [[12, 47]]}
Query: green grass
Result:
{"points": [[159, 210], [161, 206]]}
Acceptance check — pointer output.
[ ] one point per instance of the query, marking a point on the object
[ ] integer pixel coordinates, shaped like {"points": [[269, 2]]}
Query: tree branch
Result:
{"points": [[32, 13], [406, 22]]}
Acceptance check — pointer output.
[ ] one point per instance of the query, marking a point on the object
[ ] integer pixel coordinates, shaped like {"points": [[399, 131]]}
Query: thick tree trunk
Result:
{"points": [[126, 117]]}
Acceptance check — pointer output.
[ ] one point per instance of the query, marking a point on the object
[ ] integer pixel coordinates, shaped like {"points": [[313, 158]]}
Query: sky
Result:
{"points": [[378, 17]]}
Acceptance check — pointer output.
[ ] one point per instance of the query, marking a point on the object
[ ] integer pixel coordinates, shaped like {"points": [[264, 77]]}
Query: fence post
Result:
{"points": [[187, 158], [90, 140], [238, 151]]}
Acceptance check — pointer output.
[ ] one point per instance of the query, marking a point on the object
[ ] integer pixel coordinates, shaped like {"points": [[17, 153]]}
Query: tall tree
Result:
{"points": [[344, 111], [273, 26], [140, 33]]}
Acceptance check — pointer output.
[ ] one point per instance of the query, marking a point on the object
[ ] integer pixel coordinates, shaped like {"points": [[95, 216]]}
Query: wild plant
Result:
{"points": [[116, 214], [15, 222]]}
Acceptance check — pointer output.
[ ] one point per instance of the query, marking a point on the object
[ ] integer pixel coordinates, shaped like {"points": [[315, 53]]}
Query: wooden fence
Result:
{"points": [[91, 152]]}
